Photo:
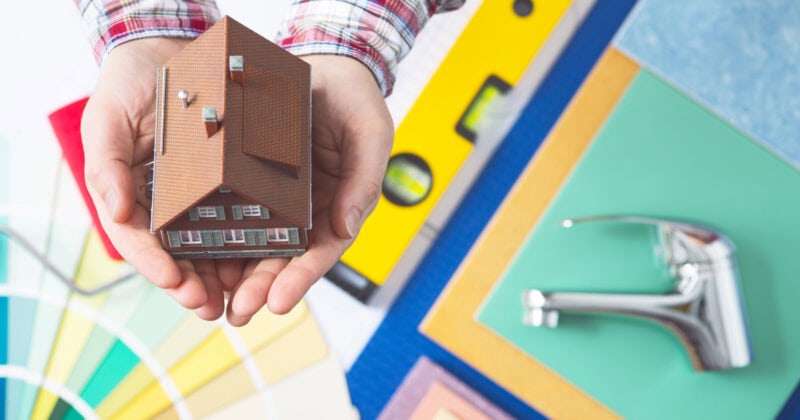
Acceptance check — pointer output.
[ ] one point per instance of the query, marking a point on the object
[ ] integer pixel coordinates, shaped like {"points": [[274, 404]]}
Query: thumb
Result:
{"points": [[108, 148], [363, 166]]}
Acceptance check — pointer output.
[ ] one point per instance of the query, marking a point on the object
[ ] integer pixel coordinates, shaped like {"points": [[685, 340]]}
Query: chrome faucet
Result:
{"points": [[704, 309]]}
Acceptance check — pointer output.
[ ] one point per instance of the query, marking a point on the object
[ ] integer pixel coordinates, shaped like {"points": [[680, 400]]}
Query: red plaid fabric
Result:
{"points": [[114, 22], [379, 33]]}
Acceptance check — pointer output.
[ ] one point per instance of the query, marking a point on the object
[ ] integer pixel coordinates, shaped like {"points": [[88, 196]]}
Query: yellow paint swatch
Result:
{"points": [[94, 269], [248, 408], [294, 351], [216, 355], [231, 386], [153, 401], [451, 322], [169, 414], [266, 326]]}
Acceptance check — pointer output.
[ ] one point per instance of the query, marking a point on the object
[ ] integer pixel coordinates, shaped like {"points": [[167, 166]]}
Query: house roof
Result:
{"points": [[262, 149]]}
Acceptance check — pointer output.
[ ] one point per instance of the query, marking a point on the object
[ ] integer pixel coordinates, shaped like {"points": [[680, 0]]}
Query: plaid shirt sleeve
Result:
{"points": [[379, 33], [113, 22]]}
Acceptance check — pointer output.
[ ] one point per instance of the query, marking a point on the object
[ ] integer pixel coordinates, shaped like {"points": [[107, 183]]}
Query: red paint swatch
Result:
{"points": [[66, 123]]}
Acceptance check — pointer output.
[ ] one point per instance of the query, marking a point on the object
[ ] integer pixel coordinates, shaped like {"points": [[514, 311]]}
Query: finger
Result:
{"points": [[215, 304], [141, 249], [364, 156], [191, 292], [108, 147], [251, 294], [294, 281], [230, 272]]}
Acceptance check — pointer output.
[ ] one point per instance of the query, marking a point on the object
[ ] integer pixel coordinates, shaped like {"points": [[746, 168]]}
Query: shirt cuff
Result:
{"points": [[316, 41], [379, 33], [110, 26]]}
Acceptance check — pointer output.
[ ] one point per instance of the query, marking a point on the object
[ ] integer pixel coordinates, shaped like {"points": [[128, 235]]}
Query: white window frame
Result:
{"points": [[207, 212], [278, 235], [251, 210], [233, 236], [190, 237]]}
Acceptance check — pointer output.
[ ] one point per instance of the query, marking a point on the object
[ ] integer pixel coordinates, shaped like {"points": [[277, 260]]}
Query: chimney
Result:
{"points": [[210, 120], [236, 67]]}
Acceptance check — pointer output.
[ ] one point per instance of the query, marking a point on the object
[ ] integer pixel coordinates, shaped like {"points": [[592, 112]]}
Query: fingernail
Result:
{"points": [[352, 221], [111, 202]]}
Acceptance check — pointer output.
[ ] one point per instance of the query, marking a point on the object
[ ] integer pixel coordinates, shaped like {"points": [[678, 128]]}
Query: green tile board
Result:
{"points": [[661, 154]]}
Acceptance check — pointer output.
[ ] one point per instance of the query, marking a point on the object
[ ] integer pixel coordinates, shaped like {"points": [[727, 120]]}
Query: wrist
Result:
{"points": [[328, 68], [313, 42], [155, 49]]}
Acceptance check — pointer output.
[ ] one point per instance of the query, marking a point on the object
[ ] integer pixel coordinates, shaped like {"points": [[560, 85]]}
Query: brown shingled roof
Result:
{"points": [[262, 150]]}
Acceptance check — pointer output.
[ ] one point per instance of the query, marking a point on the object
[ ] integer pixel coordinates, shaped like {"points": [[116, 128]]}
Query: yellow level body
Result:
{"points": [[496, 42]]}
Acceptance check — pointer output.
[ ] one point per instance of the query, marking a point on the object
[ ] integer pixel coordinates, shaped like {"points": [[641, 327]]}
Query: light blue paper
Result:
{"points": [[740, 58]]}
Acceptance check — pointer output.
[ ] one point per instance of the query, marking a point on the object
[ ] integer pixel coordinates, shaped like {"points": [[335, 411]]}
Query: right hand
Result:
{"points": [[118, 133]]}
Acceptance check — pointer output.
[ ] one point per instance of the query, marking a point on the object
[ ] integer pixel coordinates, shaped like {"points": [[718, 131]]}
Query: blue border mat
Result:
{"points": [[792, 408], [397, 344]]}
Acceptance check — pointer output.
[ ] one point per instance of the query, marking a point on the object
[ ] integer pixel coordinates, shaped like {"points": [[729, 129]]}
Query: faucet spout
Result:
{"points": [[704, 309]]}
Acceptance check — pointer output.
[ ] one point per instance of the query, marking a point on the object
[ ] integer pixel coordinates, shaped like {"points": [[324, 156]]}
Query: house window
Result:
{"points": [[255, 237], [233, 236], [207, 211], [174, 239], [251, 210], [224, 190], [278, 235], [190, 237]]}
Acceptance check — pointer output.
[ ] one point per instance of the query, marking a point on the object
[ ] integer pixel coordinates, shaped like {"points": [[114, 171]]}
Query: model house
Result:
{"points": [[232, 167]]}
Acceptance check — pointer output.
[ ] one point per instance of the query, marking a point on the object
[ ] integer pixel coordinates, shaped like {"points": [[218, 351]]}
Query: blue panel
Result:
{"points": [[792, 408], [741, 58], [397, 344]]}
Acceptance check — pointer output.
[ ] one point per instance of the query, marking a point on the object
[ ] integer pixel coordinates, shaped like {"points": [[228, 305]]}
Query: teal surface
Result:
{"points": [[21, 313], [661, 154], [21, 385], [117, 364]]}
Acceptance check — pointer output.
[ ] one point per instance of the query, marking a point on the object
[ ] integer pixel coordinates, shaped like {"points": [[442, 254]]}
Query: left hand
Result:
{"points": [[352, 137]]}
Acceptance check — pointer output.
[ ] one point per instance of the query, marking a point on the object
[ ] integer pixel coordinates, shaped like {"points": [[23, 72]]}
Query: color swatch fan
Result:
{"points": [[130, 351]]}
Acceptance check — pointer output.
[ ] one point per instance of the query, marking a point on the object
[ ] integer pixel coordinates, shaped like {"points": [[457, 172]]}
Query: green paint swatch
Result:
{"points": [[660, 154], [117, 364]]}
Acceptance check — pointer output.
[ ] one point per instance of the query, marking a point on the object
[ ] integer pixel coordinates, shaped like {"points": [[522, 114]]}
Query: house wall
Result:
{"points": [[232, 250]]}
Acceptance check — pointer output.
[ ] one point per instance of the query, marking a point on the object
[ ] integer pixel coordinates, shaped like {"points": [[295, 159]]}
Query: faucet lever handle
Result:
{"points": [[682, 242]]}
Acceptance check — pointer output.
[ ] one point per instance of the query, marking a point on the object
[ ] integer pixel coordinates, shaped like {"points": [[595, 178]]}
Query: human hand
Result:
{"points": [[118, 131], [352, 137]]}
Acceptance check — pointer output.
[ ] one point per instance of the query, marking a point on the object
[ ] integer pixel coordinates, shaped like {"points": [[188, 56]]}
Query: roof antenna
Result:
{"points": [[183, 95]]}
